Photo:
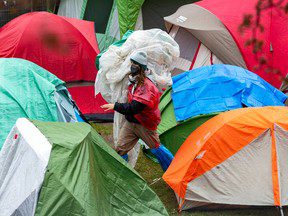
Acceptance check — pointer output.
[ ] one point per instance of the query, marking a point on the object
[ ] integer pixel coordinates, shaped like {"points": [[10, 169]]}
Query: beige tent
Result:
{"points": [[208, 33], [203, 39]]}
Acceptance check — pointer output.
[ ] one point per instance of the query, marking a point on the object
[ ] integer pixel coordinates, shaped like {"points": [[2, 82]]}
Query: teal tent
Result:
{"points": [[27, 90]]}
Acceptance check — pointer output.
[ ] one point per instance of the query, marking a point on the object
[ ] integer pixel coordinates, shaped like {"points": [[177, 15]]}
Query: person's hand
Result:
{"points": [[108, 107]]}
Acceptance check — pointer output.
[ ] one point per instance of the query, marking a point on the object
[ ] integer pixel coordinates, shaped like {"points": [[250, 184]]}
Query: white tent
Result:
{"points": [[22, 157]]}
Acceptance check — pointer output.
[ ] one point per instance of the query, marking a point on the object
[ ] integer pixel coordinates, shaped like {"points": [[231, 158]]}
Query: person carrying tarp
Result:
{"points": [[141, 113]]}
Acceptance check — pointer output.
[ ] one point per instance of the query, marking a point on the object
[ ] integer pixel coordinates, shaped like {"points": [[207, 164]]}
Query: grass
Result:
{"points": [[152, 173]]}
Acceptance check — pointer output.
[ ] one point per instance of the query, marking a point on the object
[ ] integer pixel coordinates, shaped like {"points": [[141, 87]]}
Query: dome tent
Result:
{"points": [[239, 157], [63, 46], [113, 18], [208, 33], [200, 94], [52, 168], [27, 90]]}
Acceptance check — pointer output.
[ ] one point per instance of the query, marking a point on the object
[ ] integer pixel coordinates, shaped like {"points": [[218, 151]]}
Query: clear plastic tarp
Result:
{"points": [[112, 78]]}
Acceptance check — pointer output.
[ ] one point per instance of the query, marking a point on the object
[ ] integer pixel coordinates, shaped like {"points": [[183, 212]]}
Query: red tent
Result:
{"points": [[215, 24], [66, 47], [275, 34]]}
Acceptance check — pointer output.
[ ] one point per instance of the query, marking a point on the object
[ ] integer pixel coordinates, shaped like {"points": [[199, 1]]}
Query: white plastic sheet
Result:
{"points": [[23, 158], [112, 78]]}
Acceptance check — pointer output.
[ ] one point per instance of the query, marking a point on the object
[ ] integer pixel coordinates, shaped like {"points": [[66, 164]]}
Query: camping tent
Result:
{"points": [[202, 93], [114, 17], [236, 158], [27, 90], [208, 33], [63, 46], [74, 172]]}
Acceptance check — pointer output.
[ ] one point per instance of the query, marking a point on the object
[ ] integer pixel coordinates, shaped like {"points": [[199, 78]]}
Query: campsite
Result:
{"points": [[142, 107]]}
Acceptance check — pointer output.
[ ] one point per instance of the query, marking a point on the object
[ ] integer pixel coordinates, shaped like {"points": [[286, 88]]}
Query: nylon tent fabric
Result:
{"points": [[26, 90], [57, 50], [88, 102], [154, 11], [128, 11], [72, 8], [172, 134], [219, 88], [273, 21], [86, 177], [195, 26], [112, 32], [114, 18], [246, 137], [110, 23], [85, 9], [195, 54], [99, 12], [117, 43], [66, 47], [227, 43]]}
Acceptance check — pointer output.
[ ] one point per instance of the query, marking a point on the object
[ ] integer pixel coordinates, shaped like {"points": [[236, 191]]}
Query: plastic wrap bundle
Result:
{"points": [[112, 78]]}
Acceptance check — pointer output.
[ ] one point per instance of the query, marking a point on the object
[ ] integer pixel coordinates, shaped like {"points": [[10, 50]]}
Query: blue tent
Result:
{"points": [[219, 88]]}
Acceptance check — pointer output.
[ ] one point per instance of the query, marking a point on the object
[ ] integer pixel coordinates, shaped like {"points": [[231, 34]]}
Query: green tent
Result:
{"points": [[172, 133], [82, 174], [112, 18], [115, 17], [27, 90]]}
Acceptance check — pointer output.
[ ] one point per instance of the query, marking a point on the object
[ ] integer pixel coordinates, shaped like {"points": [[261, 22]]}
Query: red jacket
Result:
{"points": [[149, 95]]}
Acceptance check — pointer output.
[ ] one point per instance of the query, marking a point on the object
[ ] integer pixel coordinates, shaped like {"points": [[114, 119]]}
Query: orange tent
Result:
{"points": [[236, 158]]}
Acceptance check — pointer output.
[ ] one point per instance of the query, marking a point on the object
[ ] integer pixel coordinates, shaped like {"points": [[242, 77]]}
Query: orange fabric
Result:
{"points": [[275, 178], [218, 139], [181, 204]]}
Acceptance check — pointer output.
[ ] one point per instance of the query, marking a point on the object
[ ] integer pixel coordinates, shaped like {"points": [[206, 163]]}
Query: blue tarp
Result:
{"points": [[219, 88]]}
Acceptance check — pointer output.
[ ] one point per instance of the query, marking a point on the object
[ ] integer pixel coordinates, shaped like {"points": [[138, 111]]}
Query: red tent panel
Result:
{"points": [[64, 46], [275, 36], [88, 104]]}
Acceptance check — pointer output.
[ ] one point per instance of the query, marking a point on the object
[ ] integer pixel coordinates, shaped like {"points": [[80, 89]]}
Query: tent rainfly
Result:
{"points": [[113, 18], [67, 169], [27, 90], [65, 47], [208, 33], [238, 158], [200, 94]]}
